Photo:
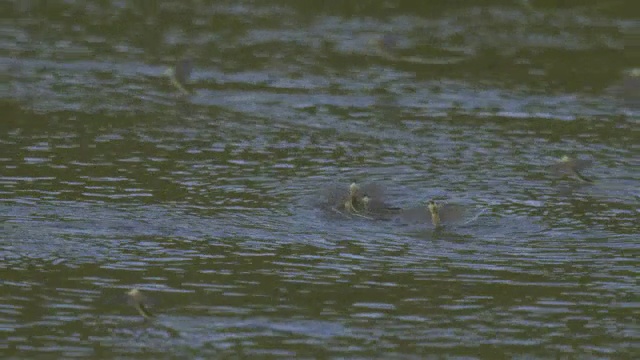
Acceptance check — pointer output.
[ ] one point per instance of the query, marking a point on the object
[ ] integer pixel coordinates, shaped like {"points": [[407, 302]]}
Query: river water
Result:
{"points": [[208, 203]]}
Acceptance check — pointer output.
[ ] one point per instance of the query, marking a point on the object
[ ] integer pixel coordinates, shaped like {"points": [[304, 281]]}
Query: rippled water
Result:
{"points": [[209, 203]]}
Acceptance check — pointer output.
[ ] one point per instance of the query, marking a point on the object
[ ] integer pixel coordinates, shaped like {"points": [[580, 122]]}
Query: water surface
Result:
{"points": [[111, 179]]}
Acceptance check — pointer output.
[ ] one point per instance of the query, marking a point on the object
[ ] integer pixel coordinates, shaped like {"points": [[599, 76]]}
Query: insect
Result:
{"points": [[571, 166], [138, 300], [435, 212], [179, 74]]}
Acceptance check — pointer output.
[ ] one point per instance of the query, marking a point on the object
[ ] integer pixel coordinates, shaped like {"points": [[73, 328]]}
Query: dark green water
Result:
{"points": [[110, 180]]}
